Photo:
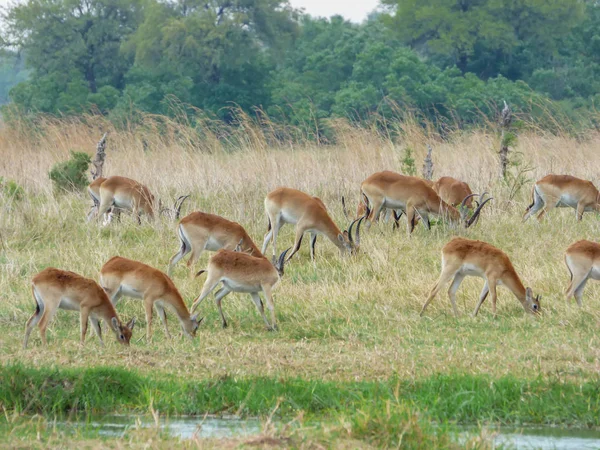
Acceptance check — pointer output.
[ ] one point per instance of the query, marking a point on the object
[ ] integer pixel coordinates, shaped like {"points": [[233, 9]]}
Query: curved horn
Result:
{"points": [[344, 207], [462, 204], [477, 212], [281, 260], [358, 231], [179, 204]]}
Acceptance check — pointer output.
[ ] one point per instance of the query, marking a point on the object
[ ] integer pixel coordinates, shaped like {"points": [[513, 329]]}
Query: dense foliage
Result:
{"points": [[450, 59]]}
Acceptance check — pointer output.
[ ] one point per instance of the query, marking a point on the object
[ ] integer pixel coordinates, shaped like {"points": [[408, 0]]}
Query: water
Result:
{"points": [[182, 427], [543, 438]]}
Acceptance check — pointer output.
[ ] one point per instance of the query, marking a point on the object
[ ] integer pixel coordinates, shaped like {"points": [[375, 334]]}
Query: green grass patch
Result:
{"points": [[444, 398]]}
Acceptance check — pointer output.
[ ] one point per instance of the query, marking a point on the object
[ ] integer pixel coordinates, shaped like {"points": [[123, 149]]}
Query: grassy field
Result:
{"points": [[344, 322]]}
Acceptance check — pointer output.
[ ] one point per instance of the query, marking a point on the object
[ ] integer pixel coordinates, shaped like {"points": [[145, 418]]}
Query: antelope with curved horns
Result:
{"points": [[55, 289], [583, 261], [414, 195], [241, 272], [561, 191], [125, 277], [124, 194], [463, 257], [201, 231], [453, 191], [286, 205]]}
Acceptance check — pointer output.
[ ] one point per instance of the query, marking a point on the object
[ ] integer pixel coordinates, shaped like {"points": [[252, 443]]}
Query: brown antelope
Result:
{"points": [[285, 205], [123, 193], [241, 272], [125, 277], [453, 191], [561, 191], [200, 231], [94, 192], [463, 257], [415, 197], [583, 261], [55, 289]]}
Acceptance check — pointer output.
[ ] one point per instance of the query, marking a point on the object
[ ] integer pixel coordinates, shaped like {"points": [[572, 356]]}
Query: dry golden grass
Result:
{"points": [[340, 318]]}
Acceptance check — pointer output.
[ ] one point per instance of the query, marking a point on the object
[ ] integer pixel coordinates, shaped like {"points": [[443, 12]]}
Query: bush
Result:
{"points": [[11, 190], [71, 175]]}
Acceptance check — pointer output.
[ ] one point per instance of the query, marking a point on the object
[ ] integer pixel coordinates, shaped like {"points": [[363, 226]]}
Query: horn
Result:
{"points": [[344, 207], [179, 204], [462, 204], [358, 231], [238, 247], [478, 211], [281, 261]]}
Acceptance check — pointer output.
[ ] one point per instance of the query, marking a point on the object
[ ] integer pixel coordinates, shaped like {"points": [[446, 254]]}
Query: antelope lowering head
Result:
{"points": [[351, 244], [464, 210]]}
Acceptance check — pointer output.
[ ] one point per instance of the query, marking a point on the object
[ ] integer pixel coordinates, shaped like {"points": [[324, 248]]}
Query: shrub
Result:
{"points": [[71, 175], [11, 190]]}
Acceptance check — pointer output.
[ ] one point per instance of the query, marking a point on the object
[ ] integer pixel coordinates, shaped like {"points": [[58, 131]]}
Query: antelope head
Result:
{"points": [[123, 332], [532, 304], [279, 264], [464, 211], [193, 326], [352, 244]]}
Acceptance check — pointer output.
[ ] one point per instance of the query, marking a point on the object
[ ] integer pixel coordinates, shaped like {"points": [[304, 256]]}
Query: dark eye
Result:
{"points": [[122, 337], [535, 306]]}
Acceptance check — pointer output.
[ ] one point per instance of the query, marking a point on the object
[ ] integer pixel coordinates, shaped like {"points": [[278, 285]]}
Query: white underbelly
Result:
{"points": [[567, 201], [595, 273], [212, 245], [471, 270], [239, 287], [394, 203], [130, 291], [69, 304], [288, 217], [123, 202]]}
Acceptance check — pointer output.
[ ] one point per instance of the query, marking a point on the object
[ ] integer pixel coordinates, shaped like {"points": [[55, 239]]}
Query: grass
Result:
{"points": [[349, 322]]}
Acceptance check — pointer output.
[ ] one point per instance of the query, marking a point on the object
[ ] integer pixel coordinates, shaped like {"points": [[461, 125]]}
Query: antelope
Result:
{"points": [[55, 289], [123, 193], [583, 261], [201, 231], [413, 195], [286, 205], [94, 192], [241, 272], [125, 277], [561, 191], [463, 257], [453, 191]]}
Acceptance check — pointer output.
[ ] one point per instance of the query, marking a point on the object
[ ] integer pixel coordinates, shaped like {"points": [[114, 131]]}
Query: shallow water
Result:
{"points": [[182, 427], [544, 438]]}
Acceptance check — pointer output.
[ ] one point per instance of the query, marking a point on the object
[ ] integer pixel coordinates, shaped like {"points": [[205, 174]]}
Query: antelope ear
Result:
{"points": [[528, 293], [115, 322], [131, 324], [343, 235]]}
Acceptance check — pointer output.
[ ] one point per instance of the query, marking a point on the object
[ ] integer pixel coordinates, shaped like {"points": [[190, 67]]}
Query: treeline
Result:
{"points": [[450, 61]]}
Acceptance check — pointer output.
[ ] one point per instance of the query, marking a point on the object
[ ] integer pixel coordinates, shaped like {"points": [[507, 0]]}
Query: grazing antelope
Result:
{"points": [[94, 192], [125, 277], [201, 231], [55, 289], [286, 205], [123, 193], [463, 257], [561, 191], [414, 195], [583, 261], [241, 272], [453, 191]]}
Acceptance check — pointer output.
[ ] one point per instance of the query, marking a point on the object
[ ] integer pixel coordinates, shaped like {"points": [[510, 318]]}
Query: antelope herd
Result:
{"points": [[240, 266]]}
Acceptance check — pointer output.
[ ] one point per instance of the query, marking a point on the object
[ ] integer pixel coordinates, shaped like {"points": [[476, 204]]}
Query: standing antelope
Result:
{"points": [[286, 205], [55, 289], [94, 192], [463, 257], [241, 272], [413, 196], [200, 231], [121, 276], [561, 191], [583, 261]]}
